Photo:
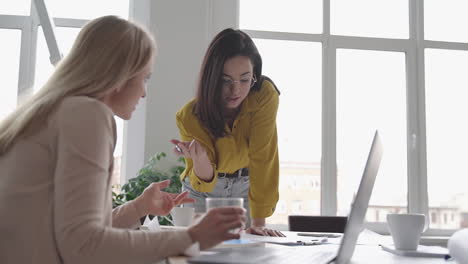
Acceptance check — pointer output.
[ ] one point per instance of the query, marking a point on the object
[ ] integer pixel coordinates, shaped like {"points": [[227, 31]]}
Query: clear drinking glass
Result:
{"points": [[225, 202]]}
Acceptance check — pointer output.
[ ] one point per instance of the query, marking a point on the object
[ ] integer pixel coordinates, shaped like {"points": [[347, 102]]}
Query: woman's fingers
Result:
{"points": [[168, 204], [216, 225], [270, 232], [175, 141], [160, 185], [264, 232], [256, 231], [188, 149], [182, 198], [181, 148], [184, 149], [278, 233], [228, 228]]}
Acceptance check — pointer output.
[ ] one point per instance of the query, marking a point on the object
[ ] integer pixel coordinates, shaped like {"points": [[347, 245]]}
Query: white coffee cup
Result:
{"points": [[182, 216], [406, 230]]}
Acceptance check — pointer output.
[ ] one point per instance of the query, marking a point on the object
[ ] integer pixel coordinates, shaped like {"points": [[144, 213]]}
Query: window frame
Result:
{"points": [[133, 130], [415, 102]]}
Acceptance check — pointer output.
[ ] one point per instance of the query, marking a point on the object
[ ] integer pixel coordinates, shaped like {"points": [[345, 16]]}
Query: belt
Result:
{"points": [[237, 173]]}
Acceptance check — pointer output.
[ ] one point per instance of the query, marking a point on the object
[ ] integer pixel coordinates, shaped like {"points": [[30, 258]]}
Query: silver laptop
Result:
{"points": [[312, 254]]}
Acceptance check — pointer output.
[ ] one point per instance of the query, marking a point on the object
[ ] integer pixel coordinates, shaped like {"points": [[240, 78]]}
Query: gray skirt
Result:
{"points": [[225, 187]]}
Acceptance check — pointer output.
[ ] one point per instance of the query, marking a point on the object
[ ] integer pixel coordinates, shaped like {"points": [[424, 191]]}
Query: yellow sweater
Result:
{"points": [[252, 143]]}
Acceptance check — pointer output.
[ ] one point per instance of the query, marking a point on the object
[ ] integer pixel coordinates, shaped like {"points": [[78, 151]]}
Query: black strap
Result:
{"points": [[238, 173]]}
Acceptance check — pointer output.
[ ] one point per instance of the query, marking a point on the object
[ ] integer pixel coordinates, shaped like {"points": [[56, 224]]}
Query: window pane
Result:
{"points": [[87, 9], [65, 38], [447, 142], [302, 16], [297, 73], [446, 20], [17, 7], [370, 18], [371, 94], [9, 67]]}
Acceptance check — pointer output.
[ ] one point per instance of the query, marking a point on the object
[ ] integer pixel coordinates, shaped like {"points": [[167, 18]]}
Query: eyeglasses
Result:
{"points": [[228, 83]]}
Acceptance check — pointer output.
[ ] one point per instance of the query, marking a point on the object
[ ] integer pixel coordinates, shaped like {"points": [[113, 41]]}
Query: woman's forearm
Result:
{"points": [[203, 168]]}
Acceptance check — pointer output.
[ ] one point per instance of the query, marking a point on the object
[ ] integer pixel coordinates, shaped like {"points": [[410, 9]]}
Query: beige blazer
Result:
{"points": [[55, 196]]}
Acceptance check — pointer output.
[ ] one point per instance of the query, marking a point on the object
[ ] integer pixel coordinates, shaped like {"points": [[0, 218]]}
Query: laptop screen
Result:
{"points": [[361, 202]]}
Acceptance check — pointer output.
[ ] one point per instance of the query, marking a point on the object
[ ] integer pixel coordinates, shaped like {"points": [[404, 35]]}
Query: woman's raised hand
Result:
{"points": [[189, 149], [157, 202]]}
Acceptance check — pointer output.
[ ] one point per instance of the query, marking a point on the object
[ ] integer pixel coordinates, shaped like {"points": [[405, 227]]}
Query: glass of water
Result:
{"points": [[225, 202]]}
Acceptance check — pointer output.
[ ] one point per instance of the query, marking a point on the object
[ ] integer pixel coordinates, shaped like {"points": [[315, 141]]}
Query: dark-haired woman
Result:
{"points": [[228, 132]]}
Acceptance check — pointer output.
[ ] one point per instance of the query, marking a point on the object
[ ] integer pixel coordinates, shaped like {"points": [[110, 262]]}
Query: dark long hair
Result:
{"points": [[227, 44]]}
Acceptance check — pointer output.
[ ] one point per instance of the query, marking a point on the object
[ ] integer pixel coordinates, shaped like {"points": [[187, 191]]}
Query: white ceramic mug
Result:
{"points": [[182, 216], [406, 230]]}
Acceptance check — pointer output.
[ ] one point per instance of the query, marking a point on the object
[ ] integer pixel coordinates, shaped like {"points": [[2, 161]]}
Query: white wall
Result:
{"points": [[183, 30]]}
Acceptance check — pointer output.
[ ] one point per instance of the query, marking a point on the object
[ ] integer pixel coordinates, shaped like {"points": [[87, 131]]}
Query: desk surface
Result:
{"points": [[365, 252]]}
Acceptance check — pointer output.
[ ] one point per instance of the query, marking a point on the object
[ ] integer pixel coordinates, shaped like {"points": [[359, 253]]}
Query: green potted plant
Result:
{"points": [[148, 174]]}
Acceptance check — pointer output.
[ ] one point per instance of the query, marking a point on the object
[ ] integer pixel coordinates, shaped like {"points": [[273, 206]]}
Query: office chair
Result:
{"points": [[308, 223]]}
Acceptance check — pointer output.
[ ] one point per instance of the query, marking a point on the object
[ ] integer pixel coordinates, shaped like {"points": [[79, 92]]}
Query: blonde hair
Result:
{"points": [[107, 53]]}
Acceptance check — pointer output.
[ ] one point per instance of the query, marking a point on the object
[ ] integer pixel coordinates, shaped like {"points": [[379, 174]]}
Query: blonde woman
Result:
{"points": [[56, 160]]}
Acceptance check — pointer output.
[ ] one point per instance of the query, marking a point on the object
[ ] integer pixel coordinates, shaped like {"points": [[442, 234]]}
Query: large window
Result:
{"points": [[23, 41], [346, 68]]}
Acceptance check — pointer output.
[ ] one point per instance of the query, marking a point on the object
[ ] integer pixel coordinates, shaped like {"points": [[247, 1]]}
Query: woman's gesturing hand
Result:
{"points": [[156, 202], [189, 149], [215, 227], [194, 150]]}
